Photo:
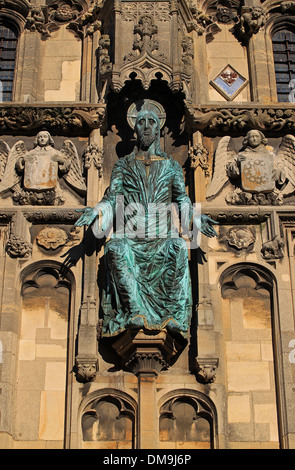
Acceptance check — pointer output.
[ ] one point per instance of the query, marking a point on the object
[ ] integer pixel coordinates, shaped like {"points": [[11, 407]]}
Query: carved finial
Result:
{"points": [[198, 156], [93, 154]]}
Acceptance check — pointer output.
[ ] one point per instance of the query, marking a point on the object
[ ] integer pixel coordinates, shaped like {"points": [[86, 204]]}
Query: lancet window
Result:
{"points": [[8, 46], [284, 59]]}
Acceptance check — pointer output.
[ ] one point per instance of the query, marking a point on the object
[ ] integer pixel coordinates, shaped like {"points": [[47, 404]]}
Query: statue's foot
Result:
{"points": [[135, 322]]}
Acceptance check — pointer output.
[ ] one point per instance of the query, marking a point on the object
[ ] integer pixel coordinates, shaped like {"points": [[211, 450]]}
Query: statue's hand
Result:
{"points": [[88, 216], [203, 224]]}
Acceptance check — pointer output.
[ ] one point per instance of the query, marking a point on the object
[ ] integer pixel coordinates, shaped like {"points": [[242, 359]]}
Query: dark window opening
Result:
{"points": [[8, 44], [284, 59]]}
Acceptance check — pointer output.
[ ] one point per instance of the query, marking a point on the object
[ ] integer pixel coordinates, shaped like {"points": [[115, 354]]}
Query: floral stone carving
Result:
{"points": [[52, 238], [93, 154], [240, 237], [62, 120], [240, 119]]}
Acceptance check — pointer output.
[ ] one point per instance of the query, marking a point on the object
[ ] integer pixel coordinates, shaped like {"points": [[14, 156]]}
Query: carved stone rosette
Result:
{"points": [[52, 238], [240, 237]]}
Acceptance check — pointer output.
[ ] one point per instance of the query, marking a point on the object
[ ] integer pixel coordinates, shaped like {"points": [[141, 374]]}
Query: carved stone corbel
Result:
{"points": [[200, 20], [16, 247], [151, 362], [86, 359], [18, 244], [287, 8], [206, 369], [252, 19], [36, 21], [86, 368]]}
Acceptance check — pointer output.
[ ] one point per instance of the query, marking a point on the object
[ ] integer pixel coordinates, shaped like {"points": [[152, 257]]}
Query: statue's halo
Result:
{"points": [[142, 105]]}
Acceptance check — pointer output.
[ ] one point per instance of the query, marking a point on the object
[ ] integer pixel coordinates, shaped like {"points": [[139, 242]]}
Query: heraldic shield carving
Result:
{"points": [[260, 175], [256, 171]]}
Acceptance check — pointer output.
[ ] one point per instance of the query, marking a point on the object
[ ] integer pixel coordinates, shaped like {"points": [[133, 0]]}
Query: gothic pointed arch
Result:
{"points": [[108, 418], [187, 415], [250, 308], [46, 345]]}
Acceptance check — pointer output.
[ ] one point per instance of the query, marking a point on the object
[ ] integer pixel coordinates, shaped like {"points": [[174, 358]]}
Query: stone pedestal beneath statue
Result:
{"points": [[147, 351]]}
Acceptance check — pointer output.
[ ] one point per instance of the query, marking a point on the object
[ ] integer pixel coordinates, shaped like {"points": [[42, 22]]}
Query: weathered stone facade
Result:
{"points": [[80, 64]]}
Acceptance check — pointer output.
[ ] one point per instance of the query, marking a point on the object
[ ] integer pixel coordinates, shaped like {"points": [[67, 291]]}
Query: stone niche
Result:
{"points": [[185, 422], [247, 310], [108, 421], [43, 343]]}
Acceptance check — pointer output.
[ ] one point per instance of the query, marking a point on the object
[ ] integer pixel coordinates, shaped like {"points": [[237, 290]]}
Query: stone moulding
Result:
{"points": [[241, 215], [77, 119], [64, 215], [81, 118], [237, 119]]}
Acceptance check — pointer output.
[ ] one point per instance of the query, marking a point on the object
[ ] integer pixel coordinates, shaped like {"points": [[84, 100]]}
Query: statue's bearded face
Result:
{"points": [[147, 128]]}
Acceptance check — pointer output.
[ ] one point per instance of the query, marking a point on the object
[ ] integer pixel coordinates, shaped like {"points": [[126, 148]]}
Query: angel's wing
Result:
{"points": [[74, 176], [223, 155], [286, 160], [4, 151], [10, 177]]}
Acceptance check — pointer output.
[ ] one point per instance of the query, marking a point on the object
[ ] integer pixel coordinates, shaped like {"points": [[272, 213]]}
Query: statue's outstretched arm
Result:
{"points": [[88, 216], [204, 224], [102, 214]]}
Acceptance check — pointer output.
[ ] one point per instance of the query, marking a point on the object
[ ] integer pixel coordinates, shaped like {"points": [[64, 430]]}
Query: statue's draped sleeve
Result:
{"points": [[180, 197], [105, 209]]}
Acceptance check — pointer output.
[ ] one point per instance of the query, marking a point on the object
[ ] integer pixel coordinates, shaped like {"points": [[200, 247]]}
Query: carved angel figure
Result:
{"points": [[261, 177], [33, 176]]}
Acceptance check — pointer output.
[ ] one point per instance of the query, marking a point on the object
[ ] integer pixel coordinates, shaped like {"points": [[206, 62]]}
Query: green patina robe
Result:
{"points": [[148, 281]]}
